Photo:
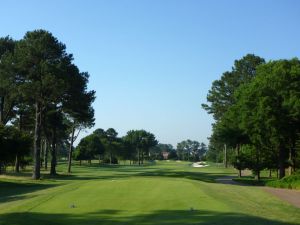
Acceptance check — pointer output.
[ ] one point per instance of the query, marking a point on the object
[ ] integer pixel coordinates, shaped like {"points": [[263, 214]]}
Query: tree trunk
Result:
{"points": [[2, 110], [79, 162], [142, 157], [281, 163], [238, 155], [290, 169], [292, 159], [46, 155], [240, 173], [17, 164], [257, 175], [270, 173], [110, 157], [42, 152], [225, 156], [257, 166], [53, 154], [139, 156], [37, 143], [71, 150]]}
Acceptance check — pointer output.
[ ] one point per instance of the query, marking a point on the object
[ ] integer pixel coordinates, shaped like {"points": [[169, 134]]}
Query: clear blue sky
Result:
{"points": [[152, 62]]}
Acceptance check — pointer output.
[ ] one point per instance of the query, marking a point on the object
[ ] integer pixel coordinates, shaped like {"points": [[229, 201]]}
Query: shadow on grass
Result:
{"points": [[119, 172], [199, 176], [111, 172], [248, 180], [11, 190], [161, 217]]}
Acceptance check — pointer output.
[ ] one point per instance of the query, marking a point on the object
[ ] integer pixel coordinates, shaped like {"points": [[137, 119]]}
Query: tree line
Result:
{"points": [[43, 100], [256, 107], [136, 147]]}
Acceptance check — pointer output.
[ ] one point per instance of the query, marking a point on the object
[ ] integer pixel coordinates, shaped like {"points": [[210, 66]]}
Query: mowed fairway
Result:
{"points": [[163, 193]]}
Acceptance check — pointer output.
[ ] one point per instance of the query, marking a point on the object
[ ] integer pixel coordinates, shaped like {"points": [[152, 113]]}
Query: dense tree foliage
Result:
{"points": [[13, 143], [221, 95], [106, 145], [140, 142], [261, 123], [190, 150], [43, 94]]}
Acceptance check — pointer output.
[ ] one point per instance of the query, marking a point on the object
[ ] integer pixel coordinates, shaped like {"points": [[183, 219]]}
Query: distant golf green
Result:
{"points": [[167, 193]]}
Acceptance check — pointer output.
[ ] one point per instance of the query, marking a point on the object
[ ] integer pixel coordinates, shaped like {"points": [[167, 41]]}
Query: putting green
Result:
{"points": [[164, 193]]}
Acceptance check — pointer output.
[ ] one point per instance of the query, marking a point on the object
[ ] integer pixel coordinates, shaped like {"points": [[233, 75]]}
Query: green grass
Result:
{"points": [[167, 193]]}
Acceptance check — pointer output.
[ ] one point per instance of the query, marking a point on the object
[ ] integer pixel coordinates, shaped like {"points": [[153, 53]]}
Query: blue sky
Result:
{"points": [[152, 62]]}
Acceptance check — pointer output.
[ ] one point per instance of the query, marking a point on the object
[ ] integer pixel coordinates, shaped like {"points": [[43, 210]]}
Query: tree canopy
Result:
{"points": [[261, 122], [40, 84]]}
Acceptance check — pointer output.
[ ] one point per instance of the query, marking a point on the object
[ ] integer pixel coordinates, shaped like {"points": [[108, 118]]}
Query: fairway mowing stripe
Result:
{"points": [[254, 197], [45, 197]]}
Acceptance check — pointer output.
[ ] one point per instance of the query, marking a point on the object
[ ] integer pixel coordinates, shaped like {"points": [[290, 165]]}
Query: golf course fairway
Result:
{"points": [[167, 193]]}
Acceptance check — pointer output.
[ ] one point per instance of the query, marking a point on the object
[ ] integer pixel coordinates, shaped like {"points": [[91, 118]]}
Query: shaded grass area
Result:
{"points": [[12, 190], [251, 181], [162, 217]]}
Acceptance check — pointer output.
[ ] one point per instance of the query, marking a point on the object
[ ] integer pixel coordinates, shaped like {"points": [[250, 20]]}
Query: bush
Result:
{"points": [[290, 182]]}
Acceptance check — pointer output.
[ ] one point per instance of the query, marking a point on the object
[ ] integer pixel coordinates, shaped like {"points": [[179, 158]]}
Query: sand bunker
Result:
{"points": [[200, 164]]}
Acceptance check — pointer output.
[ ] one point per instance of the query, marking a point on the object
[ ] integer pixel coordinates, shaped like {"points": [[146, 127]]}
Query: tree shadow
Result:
{"points": [[109, 172], [199, 176], [116, 217], [10, 190]]}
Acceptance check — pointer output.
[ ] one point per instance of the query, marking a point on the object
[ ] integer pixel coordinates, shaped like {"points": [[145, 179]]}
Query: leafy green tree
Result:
{"points": [[77, 105], [101, 135], [9, 81], [270, 109], [140, 141], [55, 128], [222, 100], [111, 143], [182, 151], [88, 148], [49, 80], [40, 59], [190, 150], [13, 142], [221, 94], [128, 151]]}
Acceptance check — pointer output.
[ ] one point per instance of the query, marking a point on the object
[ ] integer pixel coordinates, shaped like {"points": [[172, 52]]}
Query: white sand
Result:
{"points": [[199, 164]]}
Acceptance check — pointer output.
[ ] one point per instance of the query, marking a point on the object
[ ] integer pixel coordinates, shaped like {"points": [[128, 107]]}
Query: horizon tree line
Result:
{"points": [[136, 147]]}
